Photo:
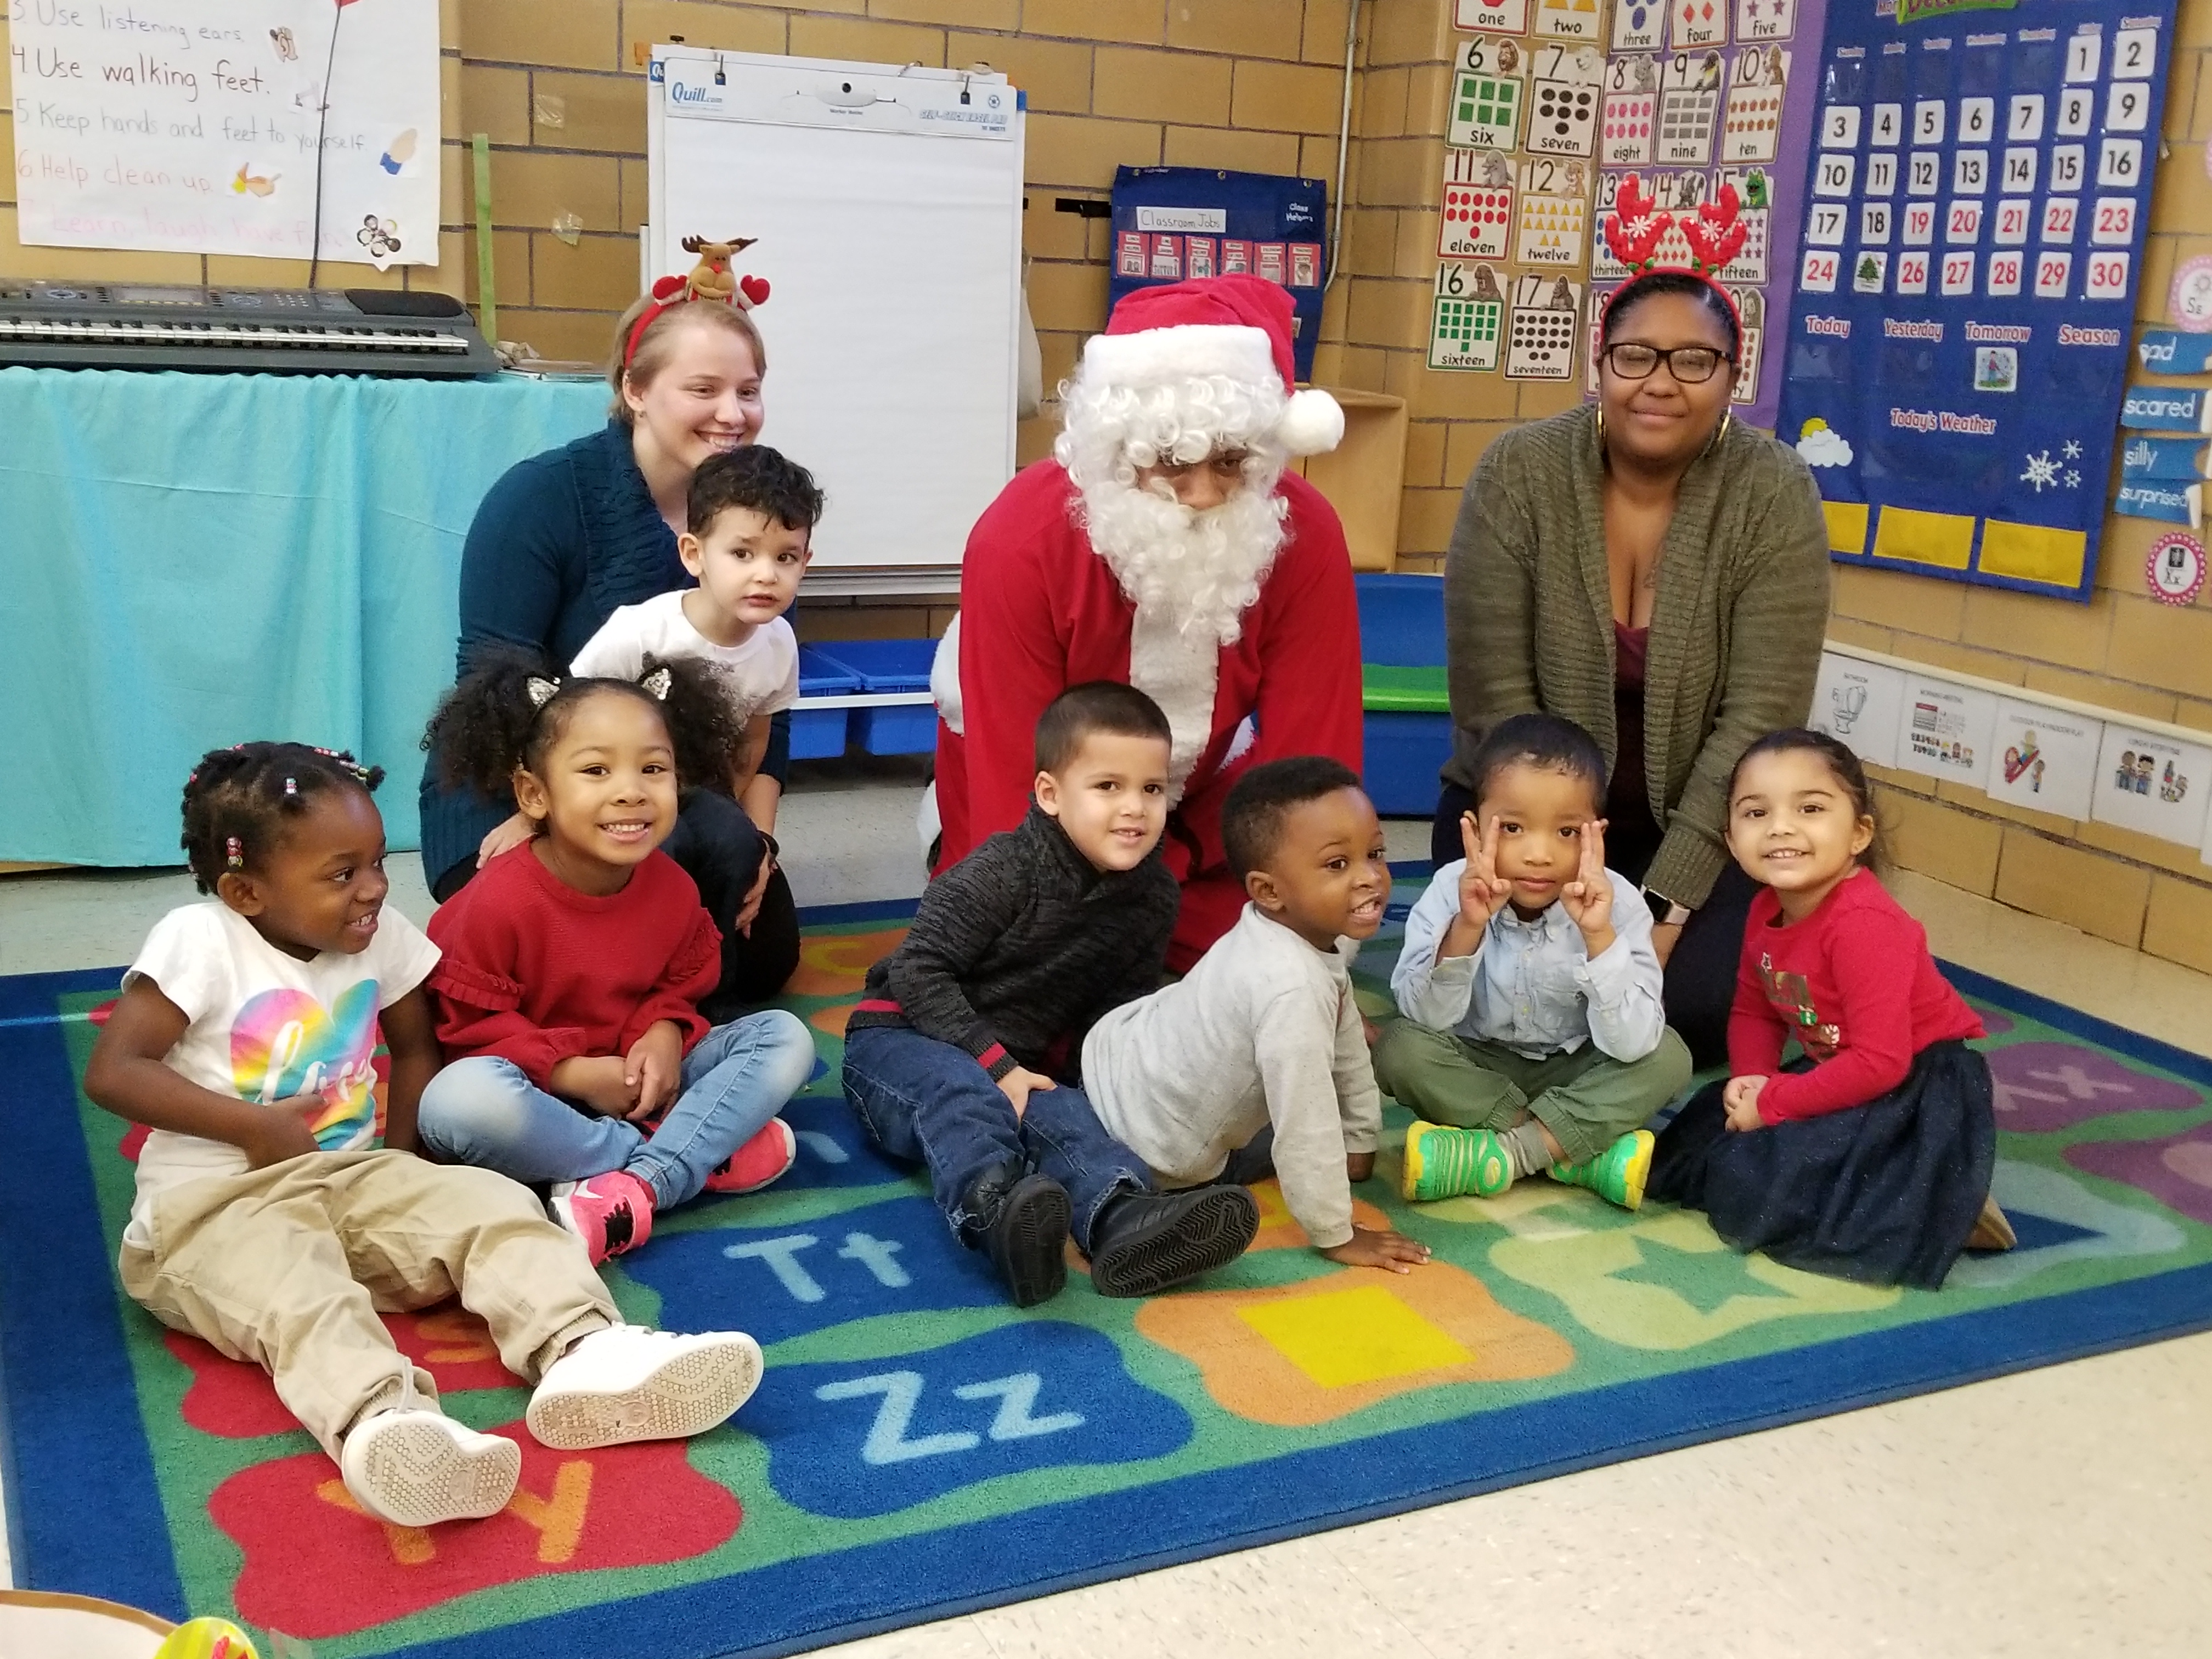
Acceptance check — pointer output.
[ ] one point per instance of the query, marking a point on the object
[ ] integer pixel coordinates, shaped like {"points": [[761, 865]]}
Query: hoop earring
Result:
{"points": [[1719, 432], [1600, 426]]}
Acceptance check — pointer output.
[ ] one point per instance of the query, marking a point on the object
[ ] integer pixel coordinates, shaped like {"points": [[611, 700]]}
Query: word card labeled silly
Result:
{"points": [[1979, 181], [1695, 95], [230, 126]]}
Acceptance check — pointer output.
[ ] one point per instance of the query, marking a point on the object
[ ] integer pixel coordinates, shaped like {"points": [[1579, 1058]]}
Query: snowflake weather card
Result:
{"points": [[1978, 188]]}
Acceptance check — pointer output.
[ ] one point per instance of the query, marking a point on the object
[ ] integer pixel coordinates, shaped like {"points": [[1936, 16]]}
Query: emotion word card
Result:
{"points": [[1543, 340], [1477, 205], [1467, 320]]}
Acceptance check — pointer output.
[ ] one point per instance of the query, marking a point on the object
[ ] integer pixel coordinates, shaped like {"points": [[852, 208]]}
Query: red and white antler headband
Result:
{"points": [[1635, 229]]}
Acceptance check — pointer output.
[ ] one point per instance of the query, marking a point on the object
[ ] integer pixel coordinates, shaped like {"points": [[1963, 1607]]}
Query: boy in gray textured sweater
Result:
{"points": [[962, 1051], [1264, 1032]]}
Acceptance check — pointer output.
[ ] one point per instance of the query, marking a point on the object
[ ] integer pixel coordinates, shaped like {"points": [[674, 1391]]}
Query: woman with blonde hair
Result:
{"points": [[565, 537]]}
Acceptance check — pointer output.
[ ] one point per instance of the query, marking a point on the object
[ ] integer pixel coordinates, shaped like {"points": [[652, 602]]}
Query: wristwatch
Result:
{"points": [[1665, 912]]}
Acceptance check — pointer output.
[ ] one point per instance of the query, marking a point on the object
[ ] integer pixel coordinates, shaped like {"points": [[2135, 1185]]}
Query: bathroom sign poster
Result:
{"points": [[194, 126], [1959, 342]]}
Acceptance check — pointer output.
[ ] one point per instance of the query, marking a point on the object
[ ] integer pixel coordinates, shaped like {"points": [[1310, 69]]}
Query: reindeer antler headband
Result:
{"points": [[1715, 235], [710, 280]]}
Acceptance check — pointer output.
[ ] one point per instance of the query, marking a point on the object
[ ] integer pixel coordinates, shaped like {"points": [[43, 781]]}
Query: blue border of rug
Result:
{"points": [[933, 1576]]}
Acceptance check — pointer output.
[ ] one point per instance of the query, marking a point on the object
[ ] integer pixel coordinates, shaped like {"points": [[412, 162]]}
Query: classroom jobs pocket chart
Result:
{"points": [[1978, 189]]}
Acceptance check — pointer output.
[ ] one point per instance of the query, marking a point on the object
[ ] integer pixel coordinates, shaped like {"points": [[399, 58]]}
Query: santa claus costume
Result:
{"points": [[1238, 620]]}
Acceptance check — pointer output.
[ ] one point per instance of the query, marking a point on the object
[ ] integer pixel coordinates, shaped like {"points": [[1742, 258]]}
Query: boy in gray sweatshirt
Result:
{"points": [[1264, 1032]]}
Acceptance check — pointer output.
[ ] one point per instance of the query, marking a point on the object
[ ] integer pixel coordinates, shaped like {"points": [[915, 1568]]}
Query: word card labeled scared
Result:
{"points": [[1542, 344], [1476, 220], [1979, 184]]}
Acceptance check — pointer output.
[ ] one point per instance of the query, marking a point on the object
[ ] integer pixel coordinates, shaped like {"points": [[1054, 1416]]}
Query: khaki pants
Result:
{"points": [[1586, 1099], [288, 1266]]}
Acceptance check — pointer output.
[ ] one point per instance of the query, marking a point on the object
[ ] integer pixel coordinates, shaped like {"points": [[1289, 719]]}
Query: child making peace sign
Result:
{"points": [[1533, 1035]]}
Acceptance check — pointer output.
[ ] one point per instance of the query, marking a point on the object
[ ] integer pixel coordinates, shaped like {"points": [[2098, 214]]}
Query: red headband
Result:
{"points": [[671, 292], [1635, 229]]}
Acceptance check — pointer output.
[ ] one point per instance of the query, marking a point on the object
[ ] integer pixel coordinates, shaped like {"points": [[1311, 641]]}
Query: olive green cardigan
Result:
{"points": [[1736, 630]]}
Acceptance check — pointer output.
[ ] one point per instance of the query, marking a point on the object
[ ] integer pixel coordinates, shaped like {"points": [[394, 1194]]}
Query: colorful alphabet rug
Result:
{"points": [[918, 1449]]}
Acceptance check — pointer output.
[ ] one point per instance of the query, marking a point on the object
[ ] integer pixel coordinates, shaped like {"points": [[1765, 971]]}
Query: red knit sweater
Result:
{"points": [[537, 973], [1854, 984]]}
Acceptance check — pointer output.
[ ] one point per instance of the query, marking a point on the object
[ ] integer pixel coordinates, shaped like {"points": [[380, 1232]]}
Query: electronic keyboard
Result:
{"points": [[354, 331]]}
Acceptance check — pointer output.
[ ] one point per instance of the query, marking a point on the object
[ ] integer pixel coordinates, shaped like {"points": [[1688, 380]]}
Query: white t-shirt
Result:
{"points": [[266, 1026], [762, 673]]}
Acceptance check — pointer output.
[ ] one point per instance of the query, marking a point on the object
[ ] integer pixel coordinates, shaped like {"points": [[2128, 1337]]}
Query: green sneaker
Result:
{"points": [[1615, 1175], [1443, 1163]]}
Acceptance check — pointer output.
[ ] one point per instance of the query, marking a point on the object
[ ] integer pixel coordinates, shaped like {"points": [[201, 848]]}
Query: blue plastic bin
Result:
{"points": [[1401, 625], [819, 733], [1401, 620], [884, 666]]}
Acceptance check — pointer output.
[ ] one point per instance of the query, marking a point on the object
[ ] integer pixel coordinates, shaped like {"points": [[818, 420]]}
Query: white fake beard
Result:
{"points": [[1191, 577], [1202, 568]]}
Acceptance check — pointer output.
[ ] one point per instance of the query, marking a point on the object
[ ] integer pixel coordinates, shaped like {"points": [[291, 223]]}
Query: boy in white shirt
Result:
{"points": [[752, 515], [1534, 1036], [1264, 1031]]}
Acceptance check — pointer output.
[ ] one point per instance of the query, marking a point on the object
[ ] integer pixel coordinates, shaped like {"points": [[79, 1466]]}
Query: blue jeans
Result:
{"points": [[485, 1111], [929, 1103]]}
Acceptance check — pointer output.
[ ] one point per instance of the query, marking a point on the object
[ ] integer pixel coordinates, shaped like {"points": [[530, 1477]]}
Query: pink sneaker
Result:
{"points": [[612, 1213], [758, 1162]]}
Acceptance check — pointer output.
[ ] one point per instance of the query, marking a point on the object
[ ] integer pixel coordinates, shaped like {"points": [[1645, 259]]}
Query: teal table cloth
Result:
{"points": [[191, 561]]}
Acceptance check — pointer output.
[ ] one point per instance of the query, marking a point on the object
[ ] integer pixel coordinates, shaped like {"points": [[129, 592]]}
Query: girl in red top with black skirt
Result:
{"points": [[1870, 1157]]}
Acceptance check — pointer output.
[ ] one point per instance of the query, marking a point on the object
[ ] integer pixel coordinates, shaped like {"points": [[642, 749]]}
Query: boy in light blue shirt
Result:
{"points": [[1533, 1035]]}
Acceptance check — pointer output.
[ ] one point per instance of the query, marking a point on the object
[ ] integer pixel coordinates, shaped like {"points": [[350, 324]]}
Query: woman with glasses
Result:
{"points": [[1657, 572]]}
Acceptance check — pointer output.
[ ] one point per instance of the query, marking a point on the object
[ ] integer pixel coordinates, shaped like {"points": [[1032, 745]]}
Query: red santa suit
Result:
{"points": [[1041, 611]]}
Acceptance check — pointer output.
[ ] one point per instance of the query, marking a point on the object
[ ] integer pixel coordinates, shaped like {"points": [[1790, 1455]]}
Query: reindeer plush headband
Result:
{"points": [[1636, 227], [709, 279]]}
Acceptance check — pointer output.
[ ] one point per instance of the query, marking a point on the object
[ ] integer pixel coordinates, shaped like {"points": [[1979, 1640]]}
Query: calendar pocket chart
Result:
{"points": [[1979, 186]]}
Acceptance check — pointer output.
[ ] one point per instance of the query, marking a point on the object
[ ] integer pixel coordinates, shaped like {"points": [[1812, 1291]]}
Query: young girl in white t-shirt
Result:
{"points": [[268, 1221]]}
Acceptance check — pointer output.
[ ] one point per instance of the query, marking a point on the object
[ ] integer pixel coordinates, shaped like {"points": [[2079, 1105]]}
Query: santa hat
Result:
{"points": [[1238, 327]]}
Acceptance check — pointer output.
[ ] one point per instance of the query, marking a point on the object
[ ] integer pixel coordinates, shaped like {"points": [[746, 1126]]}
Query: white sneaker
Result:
{"points": [[626, 1383], [415, 1466]]}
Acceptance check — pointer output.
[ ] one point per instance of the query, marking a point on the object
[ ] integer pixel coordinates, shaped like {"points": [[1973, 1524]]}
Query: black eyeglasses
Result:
{"points": [[1689, 365]]}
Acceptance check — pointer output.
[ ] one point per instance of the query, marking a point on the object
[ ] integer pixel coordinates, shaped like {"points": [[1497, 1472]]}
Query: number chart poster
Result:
{"points": [[1965, 295], [193, 126]]}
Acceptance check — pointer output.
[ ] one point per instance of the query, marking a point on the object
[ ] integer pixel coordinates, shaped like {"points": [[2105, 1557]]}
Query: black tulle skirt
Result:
{"points": [[1885, 1194]]}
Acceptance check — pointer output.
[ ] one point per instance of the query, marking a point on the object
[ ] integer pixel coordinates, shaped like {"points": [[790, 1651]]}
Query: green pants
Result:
{"points": [[1586, 1099]]}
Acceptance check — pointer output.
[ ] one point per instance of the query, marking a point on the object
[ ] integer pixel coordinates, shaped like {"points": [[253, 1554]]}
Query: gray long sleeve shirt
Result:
{"points": [[1263, 1031]]}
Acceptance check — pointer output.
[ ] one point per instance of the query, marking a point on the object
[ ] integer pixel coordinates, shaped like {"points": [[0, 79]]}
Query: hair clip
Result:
{"points": [[291, 785], [235, 853], [656, 684], [541, 690]]}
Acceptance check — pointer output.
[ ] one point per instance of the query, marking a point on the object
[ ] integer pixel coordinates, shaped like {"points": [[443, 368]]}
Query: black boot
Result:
{"points": [[1021, 1221], [1143, 1242]]}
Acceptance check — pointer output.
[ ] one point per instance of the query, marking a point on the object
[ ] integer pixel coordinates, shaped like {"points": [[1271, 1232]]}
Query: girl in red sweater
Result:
{"points": [[1869, 1157], [573, 966]]}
